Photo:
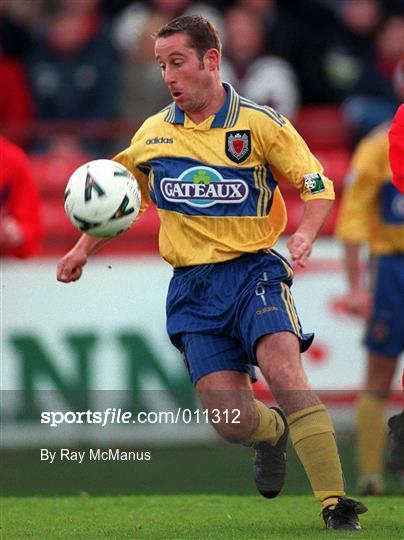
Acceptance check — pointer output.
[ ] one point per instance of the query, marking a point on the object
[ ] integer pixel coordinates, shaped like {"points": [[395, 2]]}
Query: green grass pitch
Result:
{"points": [[201, 517]]}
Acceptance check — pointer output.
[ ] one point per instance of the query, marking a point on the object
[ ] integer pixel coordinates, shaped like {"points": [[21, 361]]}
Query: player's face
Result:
{"points": [[187, 77]]}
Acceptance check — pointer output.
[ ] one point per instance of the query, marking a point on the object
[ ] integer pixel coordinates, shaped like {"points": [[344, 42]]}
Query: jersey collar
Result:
{"points": [[225, 118]]}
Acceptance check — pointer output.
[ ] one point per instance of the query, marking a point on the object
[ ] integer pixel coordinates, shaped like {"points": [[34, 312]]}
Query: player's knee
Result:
{"points": [[287, 378]]}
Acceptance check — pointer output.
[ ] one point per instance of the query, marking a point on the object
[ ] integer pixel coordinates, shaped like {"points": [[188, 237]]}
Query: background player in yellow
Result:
{"points": [[211, 162], [372, 215]]}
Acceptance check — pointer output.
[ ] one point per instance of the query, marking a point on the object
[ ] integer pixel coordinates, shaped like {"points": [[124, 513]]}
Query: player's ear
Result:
{"points": [[212, 59]]}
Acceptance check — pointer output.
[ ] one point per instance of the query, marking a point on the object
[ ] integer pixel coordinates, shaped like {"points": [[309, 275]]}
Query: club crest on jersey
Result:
{"points": [[238, 145], [201, 187]]}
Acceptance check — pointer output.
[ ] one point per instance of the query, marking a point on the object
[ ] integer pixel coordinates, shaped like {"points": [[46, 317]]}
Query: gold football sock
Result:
{"points": [[372, 432], [270, 425], [312, 434]]}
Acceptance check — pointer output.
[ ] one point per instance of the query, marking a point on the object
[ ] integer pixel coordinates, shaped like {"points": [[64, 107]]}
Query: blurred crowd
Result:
{"points": [[79, 76], [92, 60]]}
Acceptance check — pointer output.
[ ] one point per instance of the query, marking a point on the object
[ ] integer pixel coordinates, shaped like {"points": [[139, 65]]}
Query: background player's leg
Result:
{"points": [[371, 422]]}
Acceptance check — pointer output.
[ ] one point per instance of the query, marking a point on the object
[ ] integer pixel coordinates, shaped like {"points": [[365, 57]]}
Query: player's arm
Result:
{"points": [[358, 299], [353, 224], [300, 243], [293, 162], [70, 267]]}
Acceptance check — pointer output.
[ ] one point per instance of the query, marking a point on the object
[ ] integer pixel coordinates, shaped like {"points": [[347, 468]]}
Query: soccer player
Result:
{"points": [[211, 162], [396, 151], [372, 215]]}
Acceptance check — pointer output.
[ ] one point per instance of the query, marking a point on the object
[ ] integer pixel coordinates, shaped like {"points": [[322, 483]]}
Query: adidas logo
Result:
{"points": [[160, 140]]}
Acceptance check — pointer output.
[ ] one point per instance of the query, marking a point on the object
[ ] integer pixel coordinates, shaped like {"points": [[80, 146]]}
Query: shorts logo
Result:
{"points": [[313, 183], [266, 309], [238, 145], [202, 187]]}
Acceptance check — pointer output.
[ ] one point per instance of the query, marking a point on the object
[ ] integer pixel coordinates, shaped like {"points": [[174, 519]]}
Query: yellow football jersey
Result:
{"points": [[372, 209], [215, 184]]}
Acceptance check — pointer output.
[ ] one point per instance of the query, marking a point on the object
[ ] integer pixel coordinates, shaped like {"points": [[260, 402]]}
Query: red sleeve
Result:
{"points": [[23, 202], [396, 150]]}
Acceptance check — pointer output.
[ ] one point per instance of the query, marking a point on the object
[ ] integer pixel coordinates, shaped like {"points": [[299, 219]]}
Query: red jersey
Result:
{"points": [[396, 151], [19, 198]]}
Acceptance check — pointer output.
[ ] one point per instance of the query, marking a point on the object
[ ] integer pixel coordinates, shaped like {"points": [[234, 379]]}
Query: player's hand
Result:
{"points": [[70, 267], [359, 302], [299, 246]]}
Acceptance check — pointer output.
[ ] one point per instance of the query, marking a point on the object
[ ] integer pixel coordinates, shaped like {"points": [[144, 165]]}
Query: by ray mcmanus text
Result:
{"points": [[93, 454]]}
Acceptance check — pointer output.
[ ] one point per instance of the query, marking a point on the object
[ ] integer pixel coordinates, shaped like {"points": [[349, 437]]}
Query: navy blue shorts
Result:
{"points": [[217, 312], [385, 331]]}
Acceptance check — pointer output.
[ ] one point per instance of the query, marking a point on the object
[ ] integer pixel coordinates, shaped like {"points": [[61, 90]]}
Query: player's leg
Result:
{"points": [[371, 422], [384, 342], [310, 426], [238, 417], [221, 372], [273, 335]]}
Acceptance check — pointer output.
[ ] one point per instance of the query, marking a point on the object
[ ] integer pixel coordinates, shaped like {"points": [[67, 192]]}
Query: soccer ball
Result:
{"points": [[102, 198]]}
